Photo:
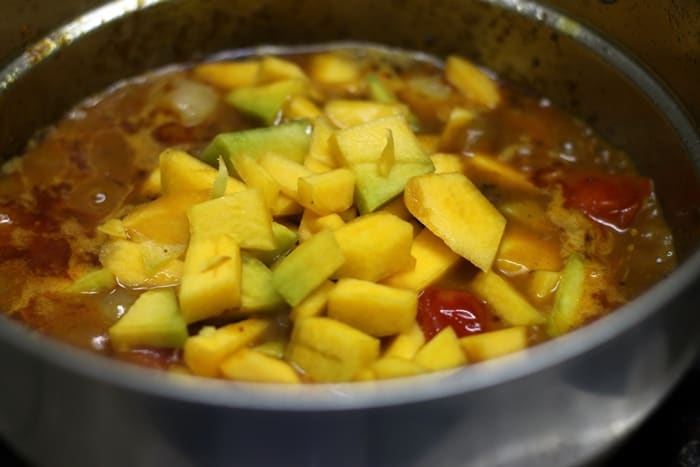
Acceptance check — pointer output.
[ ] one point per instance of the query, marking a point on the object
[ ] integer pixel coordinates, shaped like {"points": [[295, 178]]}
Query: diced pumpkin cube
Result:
{"points": [[265, 101], [183, 173], [243, 216], [375, 246], [349, 113], [255, 176], [250, 365], [332, 68], [375, 309], [433, 260], [327, 193], [505, 301], [452, 136], [441, 352], [446, 163], [211, 281], [277, 69], [153, 320], [290, 140], [314, 304], [397, 207], [275, 347], [300, 107], [311, 223], [285, 239], [204, 353], [98, 280], [472, 83], [429, 142], [542, 284], [488, 169], [285, 206], [528, 212], [525, 250], [316, 166], [406, 344], [151, 186], [320, 148], [330, 351], [228, 75], [156, 256], [125, 259], [394, 367], [114, 228], [456, 211], [285, 172], [310, 264], [487, 345], [257, 292], [163, 220], [564, 315], [361, 147]]}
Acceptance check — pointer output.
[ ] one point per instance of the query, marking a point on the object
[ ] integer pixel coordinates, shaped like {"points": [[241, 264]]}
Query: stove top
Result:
{"points": [[670, 438]]}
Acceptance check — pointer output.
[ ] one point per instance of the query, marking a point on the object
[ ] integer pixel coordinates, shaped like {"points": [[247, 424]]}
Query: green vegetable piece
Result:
{"points": [[265, 102], [285, 239], [100, 280], [567, 297], [378, 92], [257, 291], [218, 188], [297, 275], [290, 140], [154, 320]]}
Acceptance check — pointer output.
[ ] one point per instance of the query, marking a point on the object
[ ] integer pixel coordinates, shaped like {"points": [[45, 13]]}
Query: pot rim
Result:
{"points": [[362, 395]]}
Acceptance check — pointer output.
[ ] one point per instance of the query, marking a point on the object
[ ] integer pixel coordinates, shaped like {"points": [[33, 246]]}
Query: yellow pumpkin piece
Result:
{"points": [[163, 220], [204, 353], [441, 352], [433, 260], [285, 172], [472, 82], [569, 297], [529, 212], [315, 166], [406, 344], [314, 304], [456, 211], [328, 192], [98, 280], [446, 163], [429, 142], [452, 136], [250, 365], [311, 223], [375, 246], [332, 68], [375, 309], [125, 259], [320, 149], [394, 367], [327, 350], [388, 156], [275, 347], [183, 173], [151, 186], [487, 345], [397, 207], [228, 75], [211, 280], [156, 256], [505, 301], [298, 107], [492, 170], [114, 228], [285, 206], [365, 374], [542, 284], [277, 69], [349, 113], [243, 216], [255, 176], [524, 250]]}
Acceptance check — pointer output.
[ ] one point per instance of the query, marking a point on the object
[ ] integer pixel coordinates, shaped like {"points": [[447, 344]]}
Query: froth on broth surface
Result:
{"points": [[340, 215]]}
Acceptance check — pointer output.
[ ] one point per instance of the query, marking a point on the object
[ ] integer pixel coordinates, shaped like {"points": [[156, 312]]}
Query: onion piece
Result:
{"points": [[193, 101]]}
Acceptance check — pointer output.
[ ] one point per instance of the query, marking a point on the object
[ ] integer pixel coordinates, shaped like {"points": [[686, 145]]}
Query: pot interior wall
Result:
{"points": [[527, 51]]}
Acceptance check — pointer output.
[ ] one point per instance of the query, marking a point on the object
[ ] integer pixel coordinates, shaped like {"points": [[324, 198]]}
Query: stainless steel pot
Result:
{"points": [[566, 402]]}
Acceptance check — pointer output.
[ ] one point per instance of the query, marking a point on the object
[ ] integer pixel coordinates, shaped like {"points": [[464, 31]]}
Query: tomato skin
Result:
{"points": [[439, 308], [612, 200]]}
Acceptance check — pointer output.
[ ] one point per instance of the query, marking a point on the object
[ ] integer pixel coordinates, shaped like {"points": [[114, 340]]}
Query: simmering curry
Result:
{"points": [[324, 216]]}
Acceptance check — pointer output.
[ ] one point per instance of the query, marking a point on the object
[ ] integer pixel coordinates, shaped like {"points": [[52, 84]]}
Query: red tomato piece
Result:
{"points": [[612, 200], [439, 308]]}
